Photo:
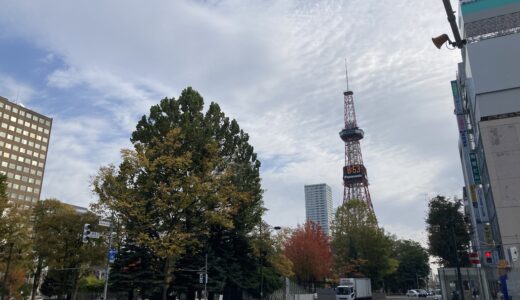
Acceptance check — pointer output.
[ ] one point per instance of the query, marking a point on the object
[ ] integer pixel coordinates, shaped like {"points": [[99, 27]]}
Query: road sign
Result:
{"points": [[473, 258], [112, 255], [94, 235], [104, 223]]}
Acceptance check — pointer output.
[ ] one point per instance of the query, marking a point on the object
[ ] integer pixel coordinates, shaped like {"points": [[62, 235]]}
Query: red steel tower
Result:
{"points": [[355, 179]]}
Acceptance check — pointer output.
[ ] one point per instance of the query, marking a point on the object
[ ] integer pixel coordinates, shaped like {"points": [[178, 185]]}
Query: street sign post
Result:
{"points": [[104, 223], [112, 255], [473, 258], [94, 235]]}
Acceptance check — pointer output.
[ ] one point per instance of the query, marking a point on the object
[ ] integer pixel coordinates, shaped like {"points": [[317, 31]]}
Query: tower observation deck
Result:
{"points": [[355, 179]]}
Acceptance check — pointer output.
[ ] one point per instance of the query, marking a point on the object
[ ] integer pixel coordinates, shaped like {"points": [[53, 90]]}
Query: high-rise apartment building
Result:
{"points": [[318, 205], [24, 140], [486, 94]]}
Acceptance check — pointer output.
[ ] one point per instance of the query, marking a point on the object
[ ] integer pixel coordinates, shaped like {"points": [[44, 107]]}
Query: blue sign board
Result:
{"points": [[112, 255]]}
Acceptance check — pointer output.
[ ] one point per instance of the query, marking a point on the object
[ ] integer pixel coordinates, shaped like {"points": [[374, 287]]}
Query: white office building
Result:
{"points": [[487, 106], [318, 205]]}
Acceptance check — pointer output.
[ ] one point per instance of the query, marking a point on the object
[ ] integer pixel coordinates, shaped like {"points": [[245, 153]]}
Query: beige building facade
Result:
{"points": [[501, 141], [24, 142]]}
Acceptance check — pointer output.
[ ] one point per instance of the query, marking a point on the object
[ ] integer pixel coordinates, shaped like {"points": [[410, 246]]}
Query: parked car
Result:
{"points": [[422, 293], [412, 293]]}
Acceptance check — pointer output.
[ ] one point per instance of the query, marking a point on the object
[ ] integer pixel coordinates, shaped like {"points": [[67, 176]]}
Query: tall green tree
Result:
{"points": [[448, 235], [413, 268], [360, 247], [189, 187]]}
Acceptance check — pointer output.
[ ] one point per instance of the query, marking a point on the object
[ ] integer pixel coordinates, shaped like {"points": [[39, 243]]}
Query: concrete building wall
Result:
{"points": [[494, 63], [501, 143]]}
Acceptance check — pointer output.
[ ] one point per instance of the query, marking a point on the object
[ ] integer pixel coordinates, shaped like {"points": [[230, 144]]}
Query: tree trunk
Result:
{"points": [[143, 293], [131, 294], [75, 284], [37, 276], [167, 278], [190, 294]]}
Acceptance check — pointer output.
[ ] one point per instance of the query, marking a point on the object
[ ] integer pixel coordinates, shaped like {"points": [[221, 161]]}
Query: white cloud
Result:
{"points": [[64, 78], [275, 66], [14, 90]]}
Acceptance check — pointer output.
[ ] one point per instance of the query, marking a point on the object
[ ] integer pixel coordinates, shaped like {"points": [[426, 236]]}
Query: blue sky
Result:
{"points": [[275, 66]]}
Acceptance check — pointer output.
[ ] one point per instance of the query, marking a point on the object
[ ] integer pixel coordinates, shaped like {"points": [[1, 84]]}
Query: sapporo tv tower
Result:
{"points": [[355, 179]]}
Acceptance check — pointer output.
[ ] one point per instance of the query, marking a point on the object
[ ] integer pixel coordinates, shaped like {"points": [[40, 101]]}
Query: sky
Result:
{"points": [[276, 66]]}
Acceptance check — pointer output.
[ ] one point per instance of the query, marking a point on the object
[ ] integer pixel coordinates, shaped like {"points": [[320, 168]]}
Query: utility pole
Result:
{"points": [[107, 267], [206, 278], [261, 264], [457, 263]]}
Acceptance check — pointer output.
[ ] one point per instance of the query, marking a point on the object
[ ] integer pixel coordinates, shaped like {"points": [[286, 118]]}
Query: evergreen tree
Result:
{"points": [[360, 248], [413, 268], [448, 234], [189, 187]]}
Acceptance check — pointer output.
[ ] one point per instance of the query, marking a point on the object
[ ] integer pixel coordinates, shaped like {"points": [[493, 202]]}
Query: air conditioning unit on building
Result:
{"points": [[513, 253]]}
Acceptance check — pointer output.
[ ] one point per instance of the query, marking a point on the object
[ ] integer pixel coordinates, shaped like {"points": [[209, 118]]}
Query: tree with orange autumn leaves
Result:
{"points": [[308, 248]]}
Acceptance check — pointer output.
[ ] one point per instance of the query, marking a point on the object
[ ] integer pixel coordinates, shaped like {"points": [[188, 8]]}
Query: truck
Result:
{"points": [[354, 289]]}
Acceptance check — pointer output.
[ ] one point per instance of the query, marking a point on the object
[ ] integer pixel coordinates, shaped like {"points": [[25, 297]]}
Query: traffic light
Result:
{"points": [[489, 257], [86, 232]]}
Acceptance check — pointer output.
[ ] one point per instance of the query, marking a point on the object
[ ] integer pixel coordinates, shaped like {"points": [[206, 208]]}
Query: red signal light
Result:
{"points": [[489, 257]]}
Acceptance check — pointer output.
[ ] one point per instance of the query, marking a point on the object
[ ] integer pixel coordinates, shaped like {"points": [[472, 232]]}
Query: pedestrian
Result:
{"points": [[454, 295], [475, 294]]}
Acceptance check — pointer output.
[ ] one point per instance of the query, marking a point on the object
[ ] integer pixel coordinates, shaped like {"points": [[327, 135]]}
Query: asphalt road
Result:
{"points": [[398, 297]]}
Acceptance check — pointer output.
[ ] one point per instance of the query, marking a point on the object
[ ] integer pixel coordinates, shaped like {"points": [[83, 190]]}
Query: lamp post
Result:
{"points": [[262, 258]]}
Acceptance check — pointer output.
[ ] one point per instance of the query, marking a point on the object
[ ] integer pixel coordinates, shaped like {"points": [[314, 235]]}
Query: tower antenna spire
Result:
{"points": [[346, 71], [355, 178]]}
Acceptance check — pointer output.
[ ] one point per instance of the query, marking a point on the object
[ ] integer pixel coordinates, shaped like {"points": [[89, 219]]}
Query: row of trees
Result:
{"points": [[357, 248], [190, 189], [188, 194], [45, 243]]}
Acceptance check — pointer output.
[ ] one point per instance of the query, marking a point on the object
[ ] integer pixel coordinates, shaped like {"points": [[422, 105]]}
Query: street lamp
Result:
{"points": [[262, 257]]}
